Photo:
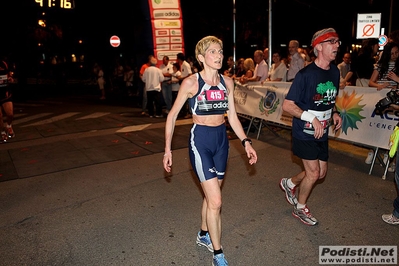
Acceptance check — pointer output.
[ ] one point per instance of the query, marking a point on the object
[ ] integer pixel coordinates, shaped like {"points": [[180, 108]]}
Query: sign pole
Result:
{"points": [[270, 34], [234, 34], [390, 18]]}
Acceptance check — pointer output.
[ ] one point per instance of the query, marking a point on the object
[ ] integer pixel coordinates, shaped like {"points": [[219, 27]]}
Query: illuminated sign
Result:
{"points": [[66, 4]]}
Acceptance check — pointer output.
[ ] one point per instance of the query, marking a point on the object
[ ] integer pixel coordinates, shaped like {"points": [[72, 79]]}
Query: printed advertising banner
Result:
{"points": [[167, 28], [360, 123]]}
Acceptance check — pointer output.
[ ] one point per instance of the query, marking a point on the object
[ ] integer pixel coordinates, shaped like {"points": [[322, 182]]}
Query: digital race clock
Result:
{"points": [[67, 4]]}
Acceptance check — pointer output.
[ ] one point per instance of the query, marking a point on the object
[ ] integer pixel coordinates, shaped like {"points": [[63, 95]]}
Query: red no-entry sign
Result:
{"points": [[115, 41]]}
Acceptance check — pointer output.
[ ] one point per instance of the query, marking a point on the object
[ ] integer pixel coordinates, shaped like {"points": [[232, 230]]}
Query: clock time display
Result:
{"points": [[67, 4]]}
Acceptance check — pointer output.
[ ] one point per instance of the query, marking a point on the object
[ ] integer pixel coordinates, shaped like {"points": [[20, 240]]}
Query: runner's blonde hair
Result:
{"points": [[204, 44]]}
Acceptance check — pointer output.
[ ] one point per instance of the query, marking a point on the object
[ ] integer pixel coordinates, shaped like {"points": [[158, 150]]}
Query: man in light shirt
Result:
{"points": [[185, 67], [261, 69], [297, 62], [167, 70], [152, 77], [186, 71]]}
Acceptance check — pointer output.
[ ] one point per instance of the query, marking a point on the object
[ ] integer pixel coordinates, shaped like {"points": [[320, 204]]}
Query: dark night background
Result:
{"points": [[95, 21]]}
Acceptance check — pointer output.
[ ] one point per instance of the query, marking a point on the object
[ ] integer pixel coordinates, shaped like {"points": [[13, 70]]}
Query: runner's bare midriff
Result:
{"points": [[208, 120]]}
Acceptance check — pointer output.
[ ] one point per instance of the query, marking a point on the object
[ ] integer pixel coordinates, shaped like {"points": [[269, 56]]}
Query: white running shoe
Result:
{"points": [[392, 167], [390, 219], [369, 158], [386, 158]]}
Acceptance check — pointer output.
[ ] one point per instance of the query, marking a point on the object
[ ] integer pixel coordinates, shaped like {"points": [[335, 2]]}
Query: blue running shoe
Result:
{"points": [[204, 241], [219, 260]]}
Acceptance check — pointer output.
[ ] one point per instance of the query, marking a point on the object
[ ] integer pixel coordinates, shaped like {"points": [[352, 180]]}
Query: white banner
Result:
{"points": [[167, 28], [356, 104]]}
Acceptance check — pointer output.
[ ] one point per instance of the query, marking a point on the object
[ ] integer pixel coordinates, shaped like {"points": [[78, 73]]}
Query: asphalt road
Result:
{"points": [[84, 185]]}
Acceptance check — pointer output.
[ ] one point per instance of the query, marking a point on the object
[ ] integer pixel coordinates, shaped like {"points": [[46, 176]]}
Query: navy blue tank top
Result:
{"points": [[3, 74], [209, 100]]}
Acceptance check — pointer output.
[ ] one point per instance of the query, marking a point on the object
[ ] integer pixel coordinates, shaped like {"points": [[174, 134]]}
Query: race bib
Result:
{"points": [[213, 100], [322, 116], [3, 80], [214, 95]]}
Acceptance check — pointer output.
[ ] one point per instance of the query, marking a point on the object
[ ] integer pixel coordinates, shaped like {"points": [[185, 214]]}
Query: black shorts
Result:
{"points": [[5, 94], [310, 149]]}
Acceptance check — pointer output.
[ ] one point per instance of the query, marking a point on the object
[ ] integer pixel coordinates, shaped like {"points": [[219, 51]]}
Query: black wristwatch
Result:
{"points": [[245, 140], [335, 112]]}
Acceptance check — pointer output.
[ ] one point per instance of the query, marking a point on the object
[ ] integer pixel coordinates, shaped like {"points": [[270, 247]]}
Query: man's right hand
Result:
{"points": [[318, 128]]}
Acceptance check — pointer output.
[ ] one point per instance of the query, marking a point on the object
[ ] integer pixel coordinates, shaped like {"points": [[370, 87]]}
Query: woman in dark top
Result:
{"points": [[363, 64]]}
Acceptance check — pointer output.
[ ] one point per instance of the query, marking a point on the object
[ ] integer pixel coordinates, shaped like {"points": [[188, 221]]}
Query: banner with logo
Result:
{"points": [[167, 28], [356, 104]]}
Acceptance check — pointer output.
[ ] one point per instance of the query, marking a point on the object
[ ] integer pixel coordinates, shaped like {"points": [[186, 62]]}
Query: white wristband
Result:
{"points": [[306, 116]]}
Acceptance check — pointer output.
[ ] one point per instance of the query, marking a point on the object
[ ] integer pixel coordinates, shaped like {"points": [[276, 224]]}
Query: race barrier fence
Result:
{"points": [[361, 125]]}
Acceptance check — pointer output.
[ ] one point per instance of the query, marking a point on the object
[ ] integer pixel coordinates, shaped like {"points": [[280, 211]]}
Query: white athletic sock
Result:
{"points": [[300, 206], [290, 184]]}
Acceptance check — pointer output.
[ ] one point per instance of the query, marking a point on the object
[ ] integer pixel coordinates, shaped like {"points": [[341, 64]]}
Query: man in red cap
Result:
{"points": [[311, 102]]}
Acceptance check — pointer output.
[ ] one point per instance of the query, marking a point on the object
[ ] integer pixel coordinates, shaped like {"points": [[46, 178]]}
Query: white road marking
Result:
{"points": [[93, 115], [29, 118], [133, 128], [53, 119]]}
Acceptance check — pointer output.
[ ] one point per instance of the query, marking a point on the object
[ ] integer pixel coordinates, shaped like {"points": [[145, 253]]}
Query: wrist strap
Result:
{"points": [[306, 116]]}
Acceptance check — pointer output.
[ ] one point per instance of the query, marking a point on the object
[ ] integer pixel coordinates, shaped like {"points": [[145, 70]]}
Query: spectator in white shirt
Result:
{"points": [[278, 70], [175, 81], [167, 70], [185, 70], [261, 69], [345, 71], [152, 77], [296, 62]]}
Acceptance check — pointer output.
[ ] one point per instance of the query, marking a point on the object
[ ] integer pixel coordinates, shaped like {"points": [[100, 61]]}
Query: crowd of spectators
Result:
{"points": [[356, 67], [367, 67]]}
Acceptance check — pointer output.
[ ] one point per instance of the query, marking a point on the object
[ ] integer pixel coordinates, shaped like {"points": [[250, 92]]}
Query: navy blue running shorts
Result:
{"points": [[208, 150], [310, 149], [5, 94]]}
